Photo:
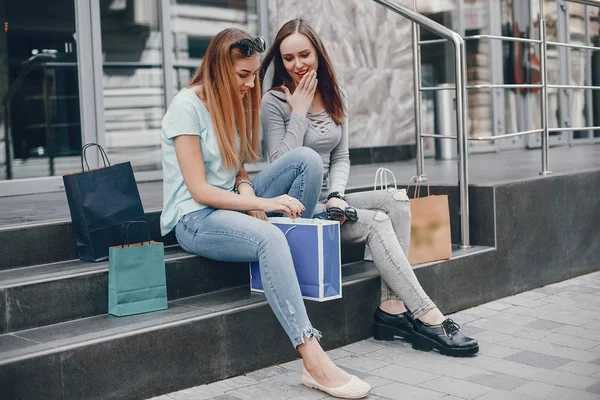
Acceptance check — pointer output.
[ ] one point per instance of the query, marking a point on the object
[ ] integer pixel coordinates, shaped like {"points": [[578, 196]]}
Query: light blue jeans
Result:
{"points": [[234, 236]]}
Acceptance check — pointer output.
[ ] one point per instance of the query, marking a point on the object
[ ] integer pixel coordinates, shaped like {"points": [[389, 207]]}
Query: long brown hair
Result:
{"points": [[229, 112], [327, 87]]}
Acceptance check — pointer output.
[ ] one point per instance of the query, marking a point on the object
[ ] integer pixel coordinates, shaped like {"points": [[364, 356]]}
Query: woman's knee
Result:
{"points": [[273, 239], [308, 157]]}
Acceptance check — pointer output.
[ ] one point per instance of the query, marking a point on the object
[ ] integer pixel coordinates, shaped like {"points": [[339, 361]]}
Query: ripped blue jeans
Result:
{"points": [[233, 236]]}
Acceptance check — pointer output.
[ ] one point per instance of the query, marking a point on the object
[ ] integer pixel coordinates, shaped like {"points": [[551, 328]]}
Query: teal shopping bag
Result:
{"points": [[136, 276]]}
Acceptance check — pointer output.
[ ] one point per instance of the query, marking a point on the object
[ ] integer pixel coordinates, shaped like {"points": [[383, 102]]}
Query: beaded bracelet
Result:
{"points": [[237, 185]]}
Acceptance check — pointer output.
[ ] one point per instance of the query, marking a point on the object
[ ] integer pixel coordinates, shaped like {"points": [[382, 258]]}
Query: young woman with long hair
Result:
{"points": [[306, 107], [210, 128]]}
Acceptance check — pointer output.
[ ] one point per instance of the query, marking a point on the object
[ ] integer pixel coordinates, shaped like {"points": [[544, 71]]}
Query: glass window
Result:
{"points": [[581, 67], [133, 81], [195, 22], [40, 129]]}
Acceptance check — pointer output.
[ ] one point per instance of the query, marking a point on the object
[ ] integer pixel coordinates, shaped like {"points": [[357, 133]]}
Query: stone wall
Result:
{"points": [[371, 52]]}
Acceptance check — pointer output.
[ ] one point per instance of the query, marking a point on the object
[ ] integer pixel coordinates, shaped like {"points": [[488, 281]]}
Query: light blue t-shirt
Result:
{"points": [[188, 116]]}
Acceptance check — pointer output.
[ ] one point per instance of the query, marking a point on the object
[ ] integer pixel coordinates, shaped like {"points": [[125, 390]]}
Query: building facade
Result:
{"points": [[104, 71]]}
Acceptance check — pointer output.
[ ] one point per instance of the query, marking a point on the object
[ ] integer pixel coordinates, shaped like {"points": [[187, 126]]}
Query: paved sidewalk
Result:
{"points": [[542, 344]]}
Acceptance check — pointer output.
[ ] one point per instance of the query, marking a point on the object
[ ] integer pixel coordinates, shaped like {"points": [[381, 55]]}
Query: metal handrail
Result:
{"points": [[594, 3], [488, 138], [461, 89], [460, 58]]}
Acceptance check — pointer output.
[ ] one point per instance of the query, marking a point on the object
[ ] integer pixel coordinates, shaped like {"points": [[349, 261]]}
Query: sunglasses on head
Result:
{"points": [[338, 214], [249, 46]]}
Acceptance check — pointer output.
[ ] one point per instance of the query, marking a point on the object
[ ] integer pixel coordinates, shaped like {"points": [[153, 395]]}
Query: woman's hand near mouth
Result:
{"points": [[301, 100]]}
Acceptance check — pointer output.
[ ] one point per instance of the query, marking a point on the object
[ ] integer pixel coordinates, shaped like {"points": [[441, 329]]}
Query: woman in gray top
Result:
{"points": [[306, 107]]}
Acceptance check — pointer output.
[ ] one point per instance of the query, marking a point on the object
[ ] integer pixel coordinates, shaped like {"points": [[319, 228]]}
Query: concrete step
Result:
{"points": [[47, 294], [54, 241], [205, 338], [49, 242], [197, 340]]}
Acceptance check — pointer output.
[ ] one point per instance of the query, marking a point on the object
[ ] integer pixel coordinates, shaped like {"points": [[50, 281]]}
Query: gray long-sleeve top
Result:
{"points": [[284, 131]]}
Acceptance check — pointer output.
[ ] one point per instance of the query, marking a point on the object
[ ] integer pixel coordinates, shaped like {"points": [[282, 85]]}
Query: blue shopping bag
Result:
{"points": [[101, 201], [136, 276], [316, 251]]}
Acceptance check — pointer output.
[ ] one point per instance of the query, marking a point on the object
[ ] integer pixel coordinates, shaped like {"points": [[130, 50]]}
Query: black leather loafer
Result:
{"points": [[389, 326], [446, 338]]}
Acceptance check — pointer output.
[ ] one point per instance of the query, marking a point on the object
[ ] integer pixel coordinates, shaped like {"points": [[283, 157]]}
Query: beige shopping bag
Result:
{"points": [[430, 235]]}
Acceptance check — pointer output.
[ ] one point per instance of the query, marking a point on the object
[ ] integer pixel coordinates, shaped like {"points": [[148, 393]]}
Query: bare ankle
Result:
{"points": [[393, 307], [432, 317]]}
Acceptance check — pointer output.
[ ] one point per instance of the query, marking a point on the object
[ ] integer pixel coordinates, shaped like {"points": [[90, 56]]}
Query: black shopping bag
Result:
{"points": [[101, 201]]}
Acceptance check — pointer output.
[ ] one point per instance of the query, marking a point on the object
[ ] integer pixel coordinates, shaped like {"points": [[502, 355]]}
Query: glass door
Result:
{"points": [[40, 125]]}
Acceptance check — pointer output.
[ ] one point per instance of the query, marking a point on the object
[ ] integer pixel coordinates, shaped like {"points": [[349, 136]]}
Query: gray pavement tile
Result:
{"points": [[563, 379], [225, 397], [529, 344], [295, 365], [518, 310], [480, 361], [470, 330], [531, 295], [594, 325], [203, 392], [291, 383], [579, 368], [163, 397], [570, 341], [595, 388], [544, 325], [402, 391], [566, 318], [534, 334], [513, 368], [479, 312], [595, 350], [537, 360], [597, 361], [338, 353], [261, 391], [493, 325], [497, 380], [513, 319], [360, 374], [377, 381], [387, 353], [545, 391], [463, 318], [406, 375], [522, 301], [364, 347], [360, 363], [456, 387], [578, 332], [394, 344], [492, 337], [437, 364], [572, 354], [268, 373], [503, 395], [496, 350], [547, 290], [496, 306], [587, 297]]}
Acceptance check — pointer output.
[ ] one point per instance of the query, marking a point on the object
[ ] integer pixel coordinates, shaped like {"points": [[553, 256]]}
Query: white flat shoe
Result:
{"points": [[355, 389]]}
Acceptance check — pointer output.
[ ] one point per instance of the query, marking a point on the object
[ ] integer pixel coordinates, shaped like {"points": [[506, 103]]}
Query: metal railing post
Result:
{"points": [[460, 58], [7, 141], [420, 158], [544, 92]]}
